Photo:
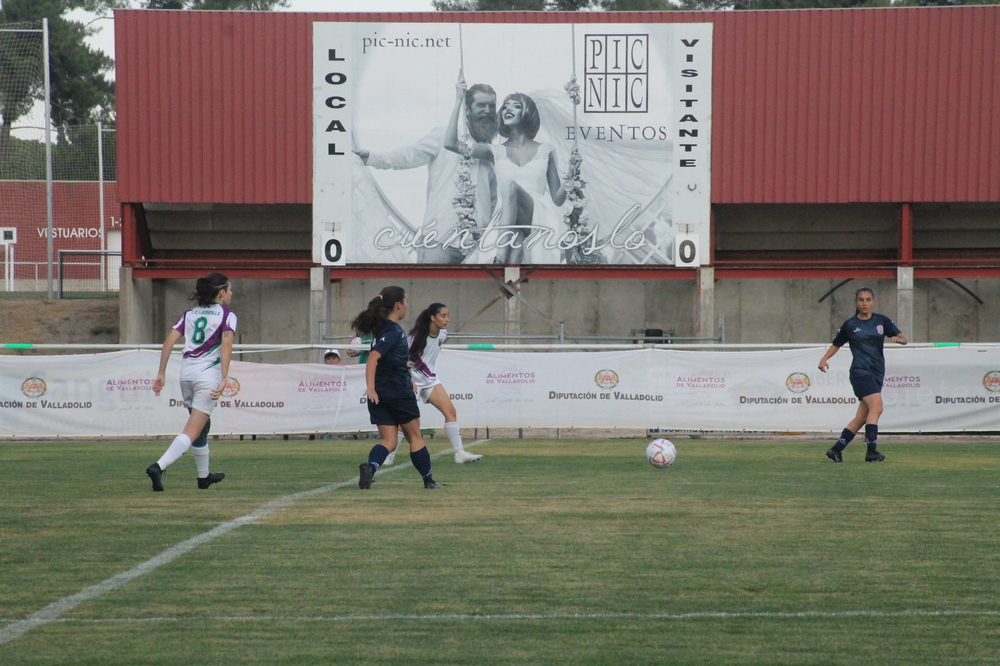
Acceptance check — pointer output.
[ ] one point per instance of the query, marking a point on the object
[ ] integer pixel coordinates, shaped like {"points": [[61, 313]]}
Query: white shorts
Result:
{"points": [[197, 394], [425, 392]]}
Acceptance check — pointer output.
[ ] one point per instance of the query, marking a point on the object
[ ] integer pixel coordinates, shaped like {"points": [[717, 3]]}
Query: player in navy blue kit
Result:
{"points": [[392, 405], [866, 331]]}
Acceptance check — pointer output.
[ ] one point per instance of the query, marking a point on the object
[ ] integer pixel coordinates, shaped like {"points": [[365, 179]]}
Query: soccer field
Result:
{"points": [[546, 551]]}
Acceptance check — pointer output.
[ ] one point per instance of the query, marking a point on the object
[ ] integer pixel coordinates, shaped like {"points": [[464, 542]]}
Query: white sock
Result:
{"points": [[400, 438], [201, 460], [454, 435], [177, 448]]}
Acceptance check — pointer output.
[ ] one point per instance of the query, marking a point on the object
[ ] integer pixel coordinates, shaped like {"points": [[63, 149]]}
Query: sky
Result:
{"points": [[104, 39]]}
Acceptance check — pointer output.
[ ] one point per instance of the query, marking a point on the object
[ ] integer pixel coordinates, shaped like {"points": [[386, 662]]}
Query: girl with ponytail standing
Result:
{"points": [[392, 404], [425, 339], [866, 331], [208, 331]]}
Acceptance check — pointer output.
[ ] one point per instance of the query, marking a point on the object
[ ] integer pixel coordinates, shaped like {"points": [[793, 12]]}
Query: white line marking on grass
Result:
{"points": [[56, 609], [454, 617]]}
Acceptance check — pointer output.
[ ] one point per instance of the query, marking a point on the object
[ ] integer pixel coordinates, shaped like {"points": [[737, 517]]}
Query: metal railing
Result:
{"points": [[636, 337]]}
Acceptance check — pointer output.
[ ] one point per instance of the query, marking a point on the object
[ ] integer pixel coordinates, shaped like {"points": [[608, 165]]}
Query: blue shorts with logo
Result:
{"points": [[865, 385], [394, 409]]}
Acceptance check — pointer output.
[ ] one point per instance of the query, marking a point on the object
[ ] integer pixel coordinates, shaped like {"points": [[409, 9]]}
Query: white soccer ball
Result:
{"points": [[354, 353], [661, 453]]}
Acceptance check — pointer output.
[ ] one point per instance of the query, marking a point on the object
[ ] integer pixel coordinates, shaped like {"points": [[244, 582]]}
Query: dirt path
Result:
{"points": [[70, 321]]}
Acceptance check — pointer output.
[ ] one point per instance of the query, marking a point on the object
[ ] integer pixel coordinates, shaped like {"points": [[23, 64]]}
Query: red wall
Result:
{"points": [[75, 218], [810, 106]]}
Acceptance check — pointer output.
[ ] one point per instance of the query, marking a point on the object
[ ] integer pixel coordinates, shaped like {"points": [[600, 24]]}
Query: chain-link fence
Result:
{"points": [[85, 211], [83, 200]]}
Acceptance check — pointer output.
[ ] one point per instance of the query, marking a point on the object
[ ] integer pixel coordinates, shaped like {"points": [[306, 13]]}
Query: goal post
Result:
{"points": [[88, 273]]}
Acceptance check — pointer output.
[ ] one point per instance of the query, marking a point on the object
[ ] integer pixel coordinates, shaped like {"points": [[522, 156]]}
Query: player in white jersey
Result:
{"points": [[425, 340], [208, 331]]}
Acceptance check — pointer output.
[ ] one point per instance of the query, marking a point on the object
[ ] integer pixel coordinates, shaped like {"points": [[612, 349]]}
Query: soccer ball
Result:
{"points": [[661, 453], [354, 353]]}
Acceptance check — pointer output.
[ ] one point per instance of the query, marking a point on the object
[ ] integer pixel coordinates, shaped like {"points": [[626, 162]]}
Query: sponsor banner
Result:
{"points": [[951, 389], [927, 389], [392, 183], [112, 395]]}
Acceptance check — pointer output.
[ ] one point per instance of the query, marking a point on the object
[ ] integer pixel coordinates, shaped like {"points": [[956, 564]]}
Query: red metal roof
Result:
{"points": [[810, 106]]}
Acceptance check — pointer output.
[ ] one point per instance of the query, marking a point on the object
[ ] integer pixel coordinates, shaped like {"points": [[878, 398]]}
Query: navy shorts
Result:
{"points": [[865, 385], [394, 409]]}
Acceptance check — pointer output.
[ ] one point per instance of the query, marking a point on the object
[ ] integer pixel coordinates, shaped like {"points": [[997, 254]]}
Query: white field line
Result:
{"points": [[56, 609], [477, 617]]}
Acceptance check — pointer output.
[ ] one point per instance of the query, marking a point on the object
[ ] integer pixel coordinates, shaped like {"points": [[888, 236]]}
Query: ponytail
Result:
{"points": [[371, 320], [422, 328], [206, 289]]}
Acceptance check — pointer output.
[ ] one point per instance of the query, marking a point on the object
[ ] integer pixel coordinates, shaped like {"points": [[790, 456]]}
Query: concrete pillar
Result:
{"points": [[126, 306], [135, 309], [904, 300], [704, 307], [511, 306], [319, 299]]}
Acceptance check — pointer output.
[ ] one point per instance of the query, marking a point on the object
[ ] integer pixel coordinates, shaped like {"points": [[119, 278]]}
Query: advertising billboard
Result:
{"points": [[544, 144]]}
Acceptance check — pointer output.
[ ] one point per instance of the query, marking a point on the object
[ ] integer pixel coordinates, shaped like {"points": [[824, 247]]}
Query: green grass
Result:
{"points": [[544, 552]]}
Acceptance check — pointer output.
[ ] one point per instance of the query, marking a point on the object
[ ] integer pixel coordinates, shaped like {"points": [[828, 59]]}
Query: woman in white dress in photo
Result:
{"points": [[529, 187]]}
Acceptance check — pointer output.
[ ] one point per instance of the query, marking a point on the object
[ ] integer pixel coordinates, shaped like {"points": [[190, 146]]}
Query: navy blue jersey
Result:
{"points": [[867, 337], [391, 374]]}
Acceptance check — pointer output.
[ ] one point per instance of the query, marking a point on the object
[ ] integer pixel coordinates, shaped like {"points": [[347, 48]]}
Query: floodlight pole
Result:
{"points": [[48, 153]]}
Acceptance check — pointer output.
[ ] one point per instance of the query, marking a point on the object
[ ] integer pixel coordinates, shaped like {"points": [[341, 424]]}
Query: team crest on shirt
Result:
{"points": [[881, 331], [231, 389], [797, 382], [992, 381], [606, 379], [33, 387]]}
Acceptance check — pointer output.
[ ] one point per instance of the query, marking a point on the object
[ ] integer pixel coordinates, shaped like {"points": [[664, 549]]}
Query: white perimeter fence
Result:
{"points": [[676, 388]]}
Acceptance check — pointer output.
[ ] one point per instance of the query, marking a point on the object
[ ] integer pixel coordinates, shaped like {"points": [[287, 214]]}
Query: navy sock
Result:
{"points": [[871, 435], [377, 455], [422, 461], [202, 439], [845, 438]]}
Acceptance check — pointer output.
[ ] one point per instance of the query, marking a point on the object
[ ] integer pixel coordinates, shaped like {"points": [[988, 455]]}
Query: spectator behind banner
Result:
{"points": [[331, 357]]}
